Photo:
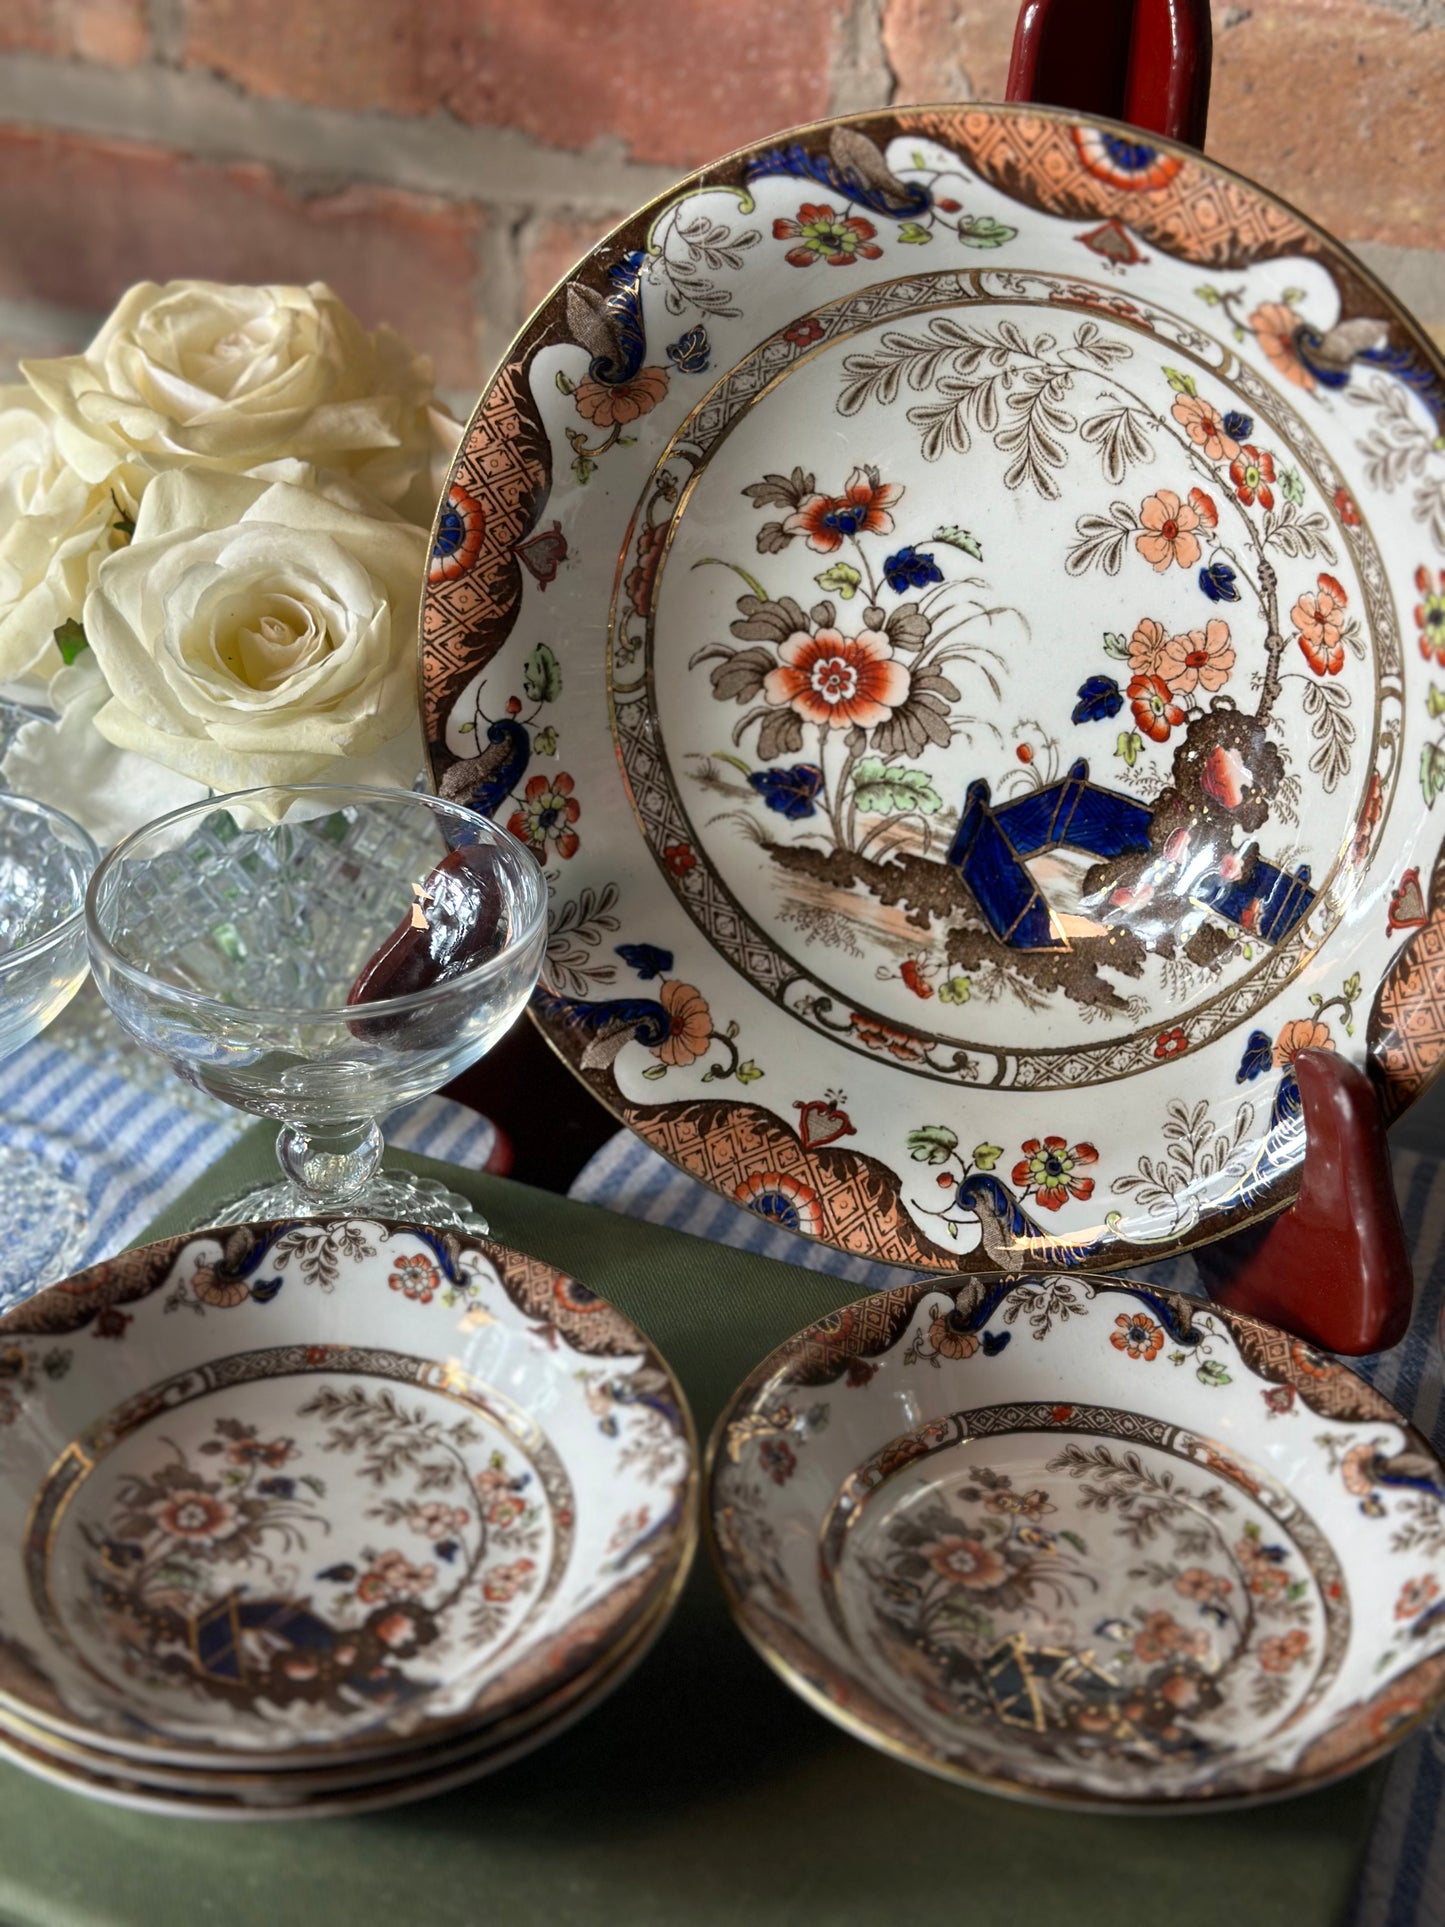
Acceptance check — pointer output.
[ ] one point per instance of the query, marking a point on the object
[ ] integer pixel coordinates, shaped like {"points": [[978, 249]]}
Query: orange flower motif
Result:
{"points": [[1201, 660], [1346, 508], [1146, 647], [1155, 710], [1319, 617], [827, 521], [1430, 615], [942, 1337], [614, 404], [1050, 1168], [1168, 532], [823, 234], [393, 1576], [1251, 472], [875, 1034], [1205, 507], [1139, 1336], [1356, 1469], [1304, 1033], [1277, 1655], [1170, 1043], [195, 1515], [650, 545], [689, 1024], [967, 1562], [1273, 326], [1163, 1637], [1199, 1583], [679, 858], [1415, 1596], [838, 681], [1204, 425], [549, 809]]}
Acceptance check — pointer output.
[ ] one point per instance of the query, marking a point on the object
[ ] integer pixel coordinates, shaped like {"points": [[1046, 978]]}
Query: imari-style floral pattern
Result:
{"points": [[297, 1516], [902, 811], [1062, 1579]]}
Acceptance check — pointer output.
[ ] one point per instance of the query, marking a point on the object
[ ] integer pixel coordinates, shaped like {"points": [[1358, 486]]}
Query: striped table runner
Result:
{"points": [[1402, 1883]]}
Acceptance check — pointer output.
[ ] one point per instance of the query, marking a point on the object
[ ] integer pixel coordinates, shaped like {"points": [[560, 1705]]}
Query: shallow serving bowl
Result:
{"points": [[294, 1494], [1085, 1541]]}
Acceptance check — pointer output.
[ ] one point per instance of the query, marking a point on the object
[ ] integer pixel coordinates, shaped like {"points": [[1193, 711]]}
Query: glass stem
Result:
{"points": [[330, 1166]]}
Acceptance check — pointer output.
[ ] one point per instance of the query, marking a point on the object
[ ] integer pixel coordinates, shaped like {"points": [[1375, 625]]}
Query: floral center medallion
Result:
{"points": [[1112, 1589], [1005, 668], [299, 1540]]}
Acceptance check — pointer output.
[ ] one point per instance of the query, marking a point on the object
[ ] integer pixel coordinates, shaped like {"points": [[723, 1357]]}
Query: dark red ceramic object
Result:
{"points": [[1144, 61], [1334, 1268]]}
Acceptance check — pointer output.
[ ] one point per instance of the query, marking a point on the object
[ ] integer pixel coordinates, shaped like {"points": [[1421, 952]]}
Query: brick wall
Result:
{"points": [[442, 163]]}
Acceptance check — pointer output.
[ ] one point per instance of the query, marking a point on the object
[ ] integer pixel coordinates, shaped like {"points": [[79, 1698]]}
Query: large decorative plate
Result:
{"points": [[956, 599]]}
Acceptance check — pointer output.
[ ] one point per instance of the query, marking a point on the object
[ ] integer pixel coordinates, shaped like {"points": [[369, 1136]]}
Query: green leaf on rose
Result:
{"points": [[544, 743], [1128, 746], [1208, 295], [542, 676], [932, 1144], [986, 1156], [1075, 1541], [1115, 646], [1351, 988], [911, 231], [583, 470], [1435, 702], [1292, 297], [842, 580], [884, 789], [957, 990], [565, 384], [1292, 483], [748, 1072], [1432, 771], [70, 639], [1211, 1372], [1181, 383], [658, 1070], [958, 538]]}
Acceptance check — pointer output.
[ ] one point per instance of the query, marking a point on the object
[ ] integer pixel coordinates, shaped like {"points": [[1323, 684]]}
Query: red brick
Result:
{"points": [[943, 50], [553, 245], [1335, 104], [677, 81], [113, 31], [134, 213]]}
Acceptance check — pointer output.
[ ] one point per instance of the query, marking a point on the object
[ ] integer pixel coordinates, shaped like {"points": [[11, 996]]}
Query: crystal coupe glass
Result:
{"points": [[45, 863], [321, 956]]}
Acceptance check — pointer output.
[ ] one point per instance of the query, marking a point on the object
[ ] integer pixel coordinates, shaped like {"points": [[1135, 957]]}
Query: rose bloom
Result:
{"points": [[198, 375], [251, 633], [1146, 648], [55, 530]]}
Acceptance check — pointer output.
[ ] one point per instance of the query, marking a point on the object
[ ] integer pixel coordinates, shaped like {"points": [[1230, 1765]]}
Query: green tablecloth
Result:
{"points": [[702, 1791]]}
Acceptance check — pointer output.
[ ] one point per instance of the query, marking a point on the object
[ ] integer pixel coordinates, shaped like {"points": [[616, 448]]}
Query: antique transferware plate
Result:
{"points": [[956, 599], [311, 1493], [396, 1780], [1081, 1540]]}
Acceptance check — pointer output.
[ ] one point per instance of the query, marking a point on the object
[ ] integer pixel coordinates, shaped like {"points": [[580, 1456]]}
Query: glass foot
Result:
{"points": [[388, 1194], [44, 1225]]}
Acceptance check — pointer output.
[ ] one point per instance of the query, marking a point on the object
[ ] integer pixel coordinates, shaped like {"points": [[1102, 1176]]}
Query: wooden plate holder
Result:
{"points": [[1334, 1267]]}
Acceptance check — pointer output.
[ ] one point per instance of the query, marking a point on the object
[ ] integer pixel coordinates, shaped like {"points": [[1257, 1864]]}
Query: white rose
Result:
{"points": [[199, 375], [254, 632], [55, 528]]}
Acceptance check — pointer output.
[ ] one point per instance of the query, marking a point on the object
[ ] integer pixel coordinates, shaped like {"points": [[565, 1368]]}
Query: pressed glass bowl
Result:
{"points": [[239, 940]]}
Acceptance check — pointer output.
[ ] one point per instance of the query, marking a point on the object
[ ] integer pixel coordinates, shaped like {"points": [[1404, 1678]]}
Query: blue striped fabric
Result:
{"points": [[132, 1141], [1402, 1883]]}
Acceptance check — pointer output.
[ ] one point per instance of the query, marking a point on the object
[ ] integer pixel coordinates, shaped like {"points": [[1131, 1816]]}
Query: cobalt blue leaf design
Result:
{"points": [[265, 1289], [1239, 427], [646, 959], [1217, 582], [791, 792], [994, 1342], [899, 201], [910, 569], [277, 1488], [648, 1021], [1099, 699], [623, 308], [691, 353], [338, 1574], [448, 1550], [1258, 1056]]}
